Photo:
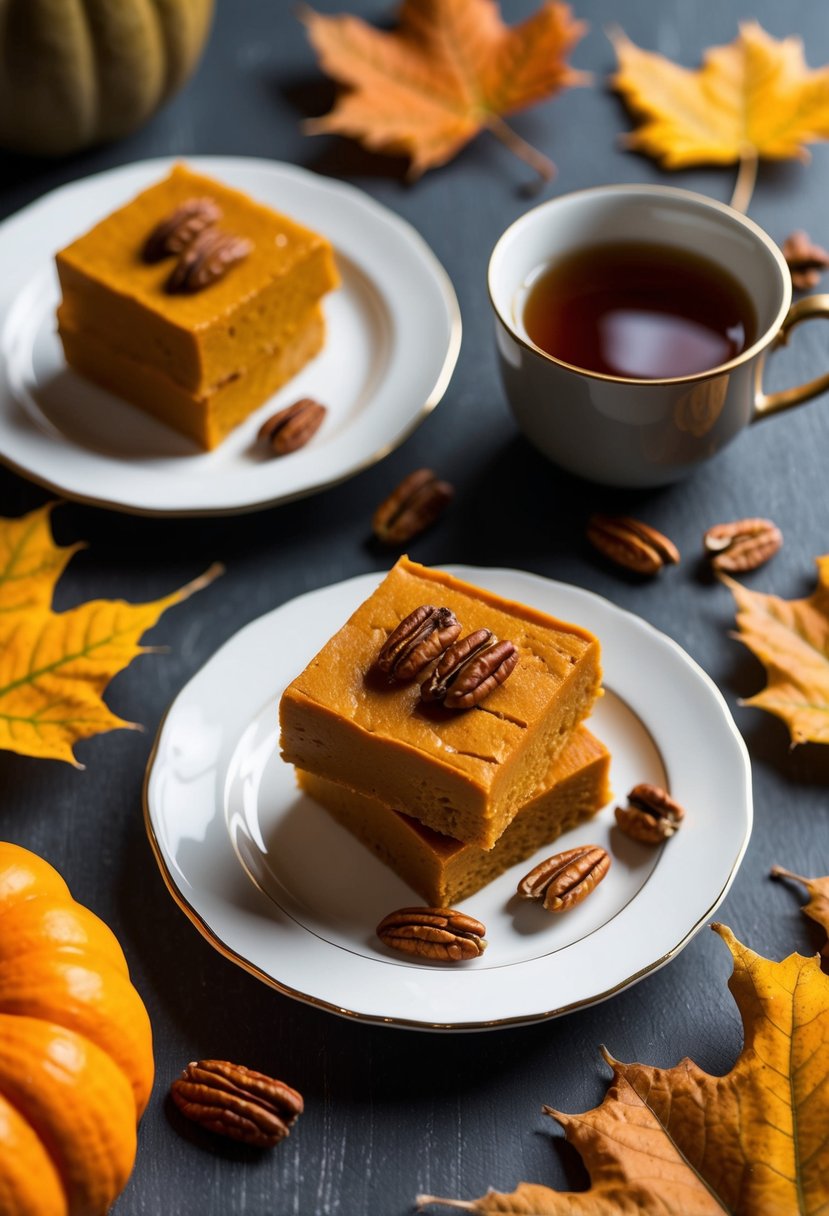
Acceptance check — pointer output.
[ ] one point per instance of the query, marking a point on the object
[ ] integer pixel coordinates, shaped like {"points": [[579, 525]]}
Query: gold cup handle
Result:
{"points": [[766, 404]]}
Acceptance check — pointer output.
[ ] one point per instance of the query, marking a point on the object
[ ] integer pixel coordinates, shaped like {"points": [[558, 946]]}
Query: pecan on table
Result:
{"points": [[469, 670], [742, 545], [172, 235], [419, 639], [806, 260], [651, 815], [291, 428], [206, 259], [439, 934], [413, 506], [237, 1102], [630, 543], [564, 880]]}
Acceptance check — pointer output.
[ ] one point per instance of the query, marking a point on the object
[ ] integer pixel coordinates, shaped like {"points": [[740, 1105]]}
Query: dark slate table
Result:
{"points": [[393, 1113]]}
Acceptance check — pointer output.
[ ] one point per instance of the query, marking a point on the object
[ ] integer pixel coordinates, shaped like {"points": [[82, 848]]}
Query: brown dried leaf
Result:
{"points": [[678, 1142]]}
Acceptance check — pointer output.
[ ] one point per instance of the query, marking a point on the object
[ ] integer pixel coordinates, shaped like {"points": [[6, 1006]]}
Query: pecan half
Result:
{"points": [[290, 429], [417, 640], [470, 670], [631, 543], [237, 1102], [206, 259], [651, 816], [807, 261], [441, 934], [564, 880], [742, 545], [414, 506], [172, 235]]}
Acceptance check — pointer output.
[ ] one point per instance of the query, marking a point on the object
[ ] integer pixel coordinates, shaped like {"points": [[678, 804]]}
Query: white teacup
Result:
{"points": [[630, 432]]}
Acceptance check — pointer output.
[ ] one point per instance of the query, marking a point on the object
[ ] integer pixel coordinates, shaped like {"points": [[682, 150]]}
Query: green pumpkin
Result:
{"points": [[80, 72]]}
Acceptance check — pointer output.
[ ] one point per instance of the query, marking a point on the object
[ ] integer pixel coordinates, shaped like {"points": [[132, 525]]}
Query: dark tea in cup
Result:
{"points": [[639, 311]]}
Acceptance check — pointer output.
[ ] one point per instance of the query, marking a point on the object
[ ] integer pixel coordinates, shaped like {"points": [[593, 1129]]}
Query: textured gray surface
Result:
{"points": [[390, 1114]]}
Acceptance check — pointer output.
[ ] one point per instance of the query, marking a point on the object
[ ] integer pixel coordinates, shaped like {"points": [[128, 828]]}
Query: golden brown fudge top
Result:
{"points": [[343, 681], [110, 253]]}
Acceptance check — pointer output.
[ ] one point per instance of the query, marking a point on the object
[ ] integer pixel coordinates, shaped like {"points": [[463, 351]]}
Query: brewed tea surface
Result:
{"points": [[639, 311]]}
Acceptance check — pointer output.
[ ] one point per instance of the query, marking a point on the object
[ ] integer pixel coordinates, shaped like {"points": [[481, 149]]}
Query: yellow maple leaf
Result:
{"points": [[450, 69], [754, 98], [54, 667], [678, 1142], [791, 640], [30, 563]]}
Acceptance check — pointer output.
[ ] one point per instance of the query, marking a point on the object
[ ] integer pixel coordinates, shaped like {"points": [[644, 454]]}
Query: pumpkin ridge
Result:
{"points": [[121, 35], [81, 1126], [36, 877], [50, 1150], [76, 1064], [84, 103], [184, 27], [26, 1165], [168, 67], [113, 1017], [57, 924]]}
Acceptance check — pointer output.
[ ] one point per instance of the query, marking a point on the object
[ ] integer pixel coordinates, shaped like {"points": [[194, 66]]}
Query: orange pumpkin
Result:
{"points": [[76, 1064]]}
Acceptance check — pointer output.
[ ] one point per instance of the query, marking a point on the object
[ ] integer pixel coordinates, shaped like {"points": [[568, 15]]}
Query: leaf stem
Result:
{"points": [[780, 872], [542, 164], [746, 179], [426, 1200]]}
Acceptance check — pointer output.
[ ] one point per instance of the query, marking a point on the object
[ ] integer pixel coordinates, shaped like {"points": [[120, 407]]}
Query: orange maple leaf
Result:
{"points": [[754, 98], [449, 69], [678, 1142], [55, 666], [791, 640]]}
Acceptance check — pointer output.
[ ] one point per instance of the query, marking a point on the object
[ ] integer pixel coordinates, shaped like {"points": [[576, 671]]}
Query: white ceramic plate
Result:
{"points": [[393, 338], [281, 889]]}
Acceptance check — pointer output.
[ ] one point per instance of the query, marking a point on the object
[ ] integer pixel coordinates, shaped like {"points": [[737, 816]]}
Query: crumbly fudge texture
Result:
{"points": [[197, 340], [462, 773], [444, 871]]}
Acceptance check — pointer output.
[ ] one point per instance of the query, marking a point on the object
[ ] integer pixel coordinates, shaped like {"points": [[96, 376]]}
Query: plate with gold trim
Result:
{"points": [[287, 893], [393, 336]]}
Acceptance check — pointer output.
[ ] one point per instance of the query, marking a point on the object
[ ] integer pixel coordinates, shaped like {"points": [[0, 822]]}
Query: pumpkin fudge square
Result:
{"points": [[200, 360], [463, 773], [444, 871]]}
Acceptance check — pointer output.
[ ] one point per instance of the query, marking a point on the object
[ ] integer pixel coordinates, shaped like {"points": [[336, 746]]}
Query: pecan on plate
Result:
{"points": [[564, 880], [290, 429], [206, 259], [237, 1102], [421, 637], [807, 261], [440, 934], [651, 815], [742, 545], [469, 670], [411, 508], [172, 235], [631, 543]]}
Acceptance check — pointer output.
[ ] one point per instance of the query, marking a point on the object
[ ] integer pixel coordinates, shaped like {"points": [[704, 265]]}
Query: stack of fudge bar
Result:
{"points": [[200, 361], [449, 799]]}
